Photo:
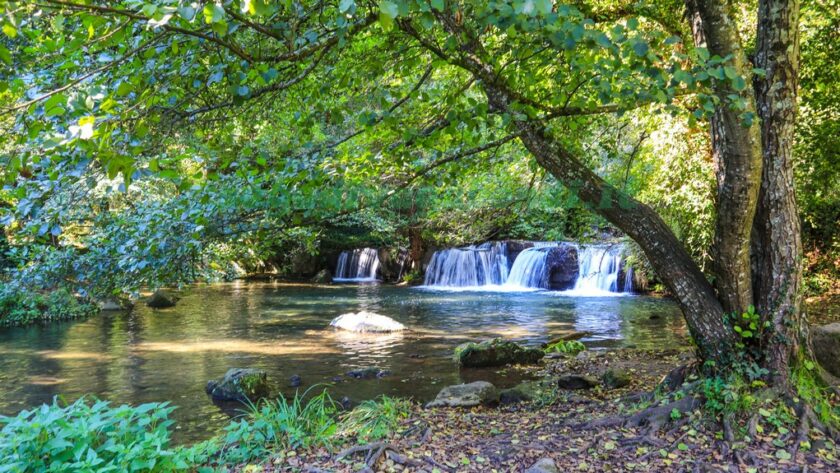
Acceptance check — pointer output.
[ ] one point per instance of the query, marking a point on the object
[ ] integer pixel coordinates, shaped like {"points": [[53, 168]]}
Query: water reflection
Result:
{"points": [[170, 354]]}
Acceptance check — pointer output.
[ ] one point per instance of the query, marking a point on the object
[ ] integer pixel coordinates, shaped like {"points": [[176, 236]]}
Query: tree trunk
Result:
{"points": [[737, 155], [777, 244]]}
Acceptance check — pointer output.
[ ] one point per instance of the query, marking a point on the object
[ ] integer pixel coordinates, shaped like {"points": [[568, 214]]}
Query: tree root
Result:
{"points": [[373, 452], [652, 417]]}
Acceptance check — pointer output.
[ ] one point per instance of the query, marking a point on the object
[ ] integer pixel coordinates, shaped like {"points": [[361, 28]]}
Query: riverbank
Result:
{"points": [[565, 432]]}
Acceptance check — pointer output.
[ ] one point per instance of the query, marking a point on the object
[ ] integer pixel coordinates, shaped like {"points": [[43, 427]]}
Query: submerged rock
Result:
{"points": [[323, 277], [826, 342], [495, 352], [466, 395], [576, 381], [239, 384], [366, 322], [615, 378], [160, 300], [295, 381], [543, 465], [369, 372]]}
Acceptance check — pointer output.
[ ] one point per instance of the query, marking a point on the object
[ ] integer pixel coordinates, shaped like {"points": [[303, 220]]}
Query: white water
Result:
{"points": [[599, 266], [472, 266], [484, 268], [357, 265], [528, 270]]}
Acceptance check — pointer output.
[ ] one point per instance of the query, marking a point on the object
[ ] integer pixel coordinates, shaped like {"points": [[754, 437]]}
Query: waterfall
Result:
{"points": [[357, 265], [628, 279], [529, 269], [471, 266], [599, 267]]}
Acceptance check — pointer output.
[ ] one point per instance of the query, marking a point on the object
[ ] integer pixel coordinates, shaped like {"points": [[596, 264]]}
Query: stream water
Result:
{"points": [[159, 355]]}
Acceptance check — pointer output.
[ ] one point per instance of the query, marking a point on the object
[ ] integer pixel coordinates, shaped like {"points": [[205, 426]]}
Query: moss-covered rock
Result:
{"points": [[495, 352], [161, 300], [323, 277], [525, 391], [826, 342], [615, 378], [240, 384]]}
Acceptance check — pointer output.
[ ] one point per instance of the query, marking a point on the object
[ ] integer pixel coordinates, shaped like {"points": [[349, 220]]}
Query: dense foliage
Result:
{"points": [[92, 435]]}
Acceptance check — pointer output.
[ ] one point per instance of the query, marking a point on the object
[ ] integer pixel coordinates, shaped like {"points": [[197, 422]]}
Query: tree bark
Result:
{"points": [[737, 154], [777, 244]]}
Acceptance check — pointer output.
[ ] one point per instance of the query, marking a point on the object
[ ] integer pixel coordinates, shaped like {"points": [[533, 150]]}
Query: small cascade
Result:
{"points": [[599, 266], [529, 269], [471, 266], [628, 279], [357, 265]]}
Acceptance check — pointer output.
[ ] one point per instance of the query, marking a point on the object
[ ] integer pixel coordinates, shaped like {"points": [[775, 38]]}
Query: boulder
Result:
{"points": [[543, 465], [615, 378], [391, 262], [110, 304], [239, 384], [368, 372], [303, 264], [514, 247], [466, 395], [562, 266], [366, 322], [576, 381], [161, 299], [495, 352], [323, 277], [826, 343], [525, 391]]}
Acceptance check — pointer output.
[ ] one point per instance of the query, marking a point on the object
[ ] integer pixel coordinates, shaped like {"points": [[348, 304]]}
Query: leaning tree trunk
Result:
{"points": [[777, 244], [672, 263]]}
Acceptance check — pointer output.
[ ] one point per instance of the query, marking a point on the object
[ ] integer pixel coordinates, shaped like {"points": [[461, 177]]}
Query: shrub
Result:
{"points": [[375, 419], [92, 436], [22, 308]]}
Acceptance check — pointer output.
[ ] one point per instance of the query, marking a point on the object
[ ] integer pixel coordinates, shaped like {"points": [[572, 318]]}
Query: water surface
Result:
{"points": [[158, 355]]}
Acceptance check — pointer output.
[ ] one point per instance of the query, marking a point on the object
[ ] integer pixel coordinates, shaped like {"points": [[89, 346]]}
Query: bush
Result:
{"points": [[92, 436], [22, 308], [375, 419]]}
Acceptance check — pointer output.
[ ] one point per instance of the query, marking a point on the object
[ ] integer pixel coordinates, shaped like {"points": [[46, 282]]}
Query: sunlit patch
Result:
{"points": [[46, 380], [72, 355], [296, 347]]}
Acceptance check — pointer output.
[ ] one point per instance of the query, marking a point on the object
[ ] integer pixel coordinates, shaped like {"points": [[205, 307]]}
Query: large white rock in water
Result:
{"points": [[366, 322]]}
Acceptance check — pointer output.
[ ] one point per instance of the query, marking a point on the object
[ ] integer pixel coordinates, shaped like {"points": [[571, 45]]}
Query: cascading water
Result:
{"points": [[599, 266], [628, 279], [357, 265], [528, 270], [485, 265], [471, 266]]}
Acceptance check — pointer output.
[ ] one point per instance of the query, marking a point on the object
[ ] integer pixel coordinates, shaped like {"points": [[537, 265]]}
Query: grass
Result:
{"points": [[375, 419]]}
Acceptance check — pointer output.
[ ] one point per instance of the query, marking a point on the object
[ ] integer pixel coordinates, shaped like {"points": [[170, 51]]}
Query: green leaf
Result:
{"points": [[213, 13], [187, 13], [438, 5], [5, 55], [389, 9], [782, 454], [730, 72], [640, 48], [124, 88], [345, 5], [10, 30], [543, 6], [632, 23], [739, 83]]}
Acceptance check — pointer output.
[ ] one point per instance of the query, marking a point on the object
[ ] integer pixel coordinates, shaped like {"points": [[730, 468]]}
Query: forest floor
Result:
{"points": [[512, 438]]}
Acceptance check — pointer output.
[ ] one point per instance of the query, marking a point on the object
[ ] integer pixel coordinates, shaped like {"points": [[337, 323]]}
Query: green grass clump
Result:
{"points": [[375, 419]]}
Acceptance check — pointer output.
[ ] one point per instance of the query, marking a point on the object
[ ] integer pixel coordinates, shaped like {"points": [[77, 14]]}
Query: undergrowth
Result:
{"points": [[24, 307]]}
